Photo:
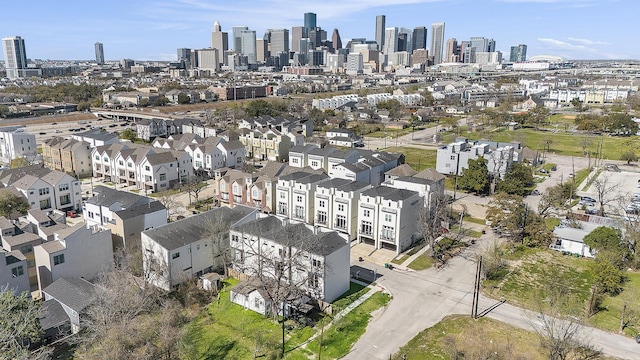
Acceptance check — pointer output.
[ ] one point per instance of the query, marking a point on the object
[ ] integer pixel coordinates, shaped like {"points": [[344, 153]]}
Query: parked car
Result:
{"points": [[543, 171], [535, 192], [588, 199], [633, 208], [593, 211]]}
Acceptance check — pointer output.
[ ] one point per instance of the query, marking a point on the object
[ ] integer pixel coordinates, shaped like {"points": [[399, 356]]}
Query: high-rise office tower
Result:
{"points": [[451, 54], [237, 39], [402, 41], [297, 33], [518, 53], [390, 40], [15, 56], [278, 41], [407, 38], [419, 40], [462, 50], [262, 50], [335, 39], [99, 53], [380, 30], [437, 42], [219, 39], [309, 21], [248, 45], [317, 36], [482, 44]]}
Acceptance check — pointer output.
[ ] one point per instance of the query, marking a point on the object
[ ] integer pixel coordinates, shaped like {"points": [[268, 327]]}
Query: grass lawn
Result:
{"points": [[477, 339], [422, 262], [228, 331], [562, 143], [474, 220], [419, 159], [391, 133], [608, 317], [338, 340], [532, 270], [400, 260]]}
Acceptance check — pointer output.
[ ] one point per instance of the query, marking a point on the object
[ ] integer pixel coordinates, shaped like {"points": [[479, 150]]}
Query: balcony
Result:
{"points": [[282, 210], [224, 196], [387, 236], [321, 220]]}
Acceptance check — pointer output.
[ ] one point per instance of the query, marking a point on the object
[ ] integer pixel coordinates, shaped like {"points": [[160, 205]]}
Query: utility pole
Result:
{"points": [[476, 290]]}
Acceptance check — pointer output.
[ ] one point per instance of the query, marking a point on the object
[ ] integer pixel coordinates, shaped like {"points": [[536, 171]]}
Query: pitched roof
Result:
{"points": [[135, 211], [430, 174], [75, 293], [161, 158], [21, 239], [51, 315], [104, 196], [186, 231], [389, 193], [401, 170]]}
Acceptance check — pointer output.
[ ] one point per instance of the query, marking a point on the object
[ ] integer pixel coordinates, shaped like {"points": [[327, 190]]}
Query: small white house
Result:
{"points": [[569, 239]]}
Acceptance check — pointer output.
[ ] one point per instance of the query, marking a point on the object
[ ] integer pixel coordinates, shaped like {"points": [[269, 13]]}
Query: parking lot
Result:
{"points": [[624, 184]]}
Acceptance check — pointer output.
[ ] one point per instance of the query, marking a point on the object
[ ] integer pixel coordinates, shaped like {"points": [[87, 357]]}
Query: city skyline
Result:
{"points": [[153, 30]]}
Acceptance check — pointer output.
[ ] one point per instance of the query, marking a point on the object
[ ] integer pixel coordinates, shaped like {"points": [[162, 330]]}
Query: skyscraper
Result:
{"points": [[279, 41], [248, 45], [15, 56], [437, 41], [335, 39], [391, 40], [237, 40], [451, 54], [309, 21], [219, 39], [262, 50], [419, 40], [99, 53], [518, 53], [297, 33], [380, 30]]}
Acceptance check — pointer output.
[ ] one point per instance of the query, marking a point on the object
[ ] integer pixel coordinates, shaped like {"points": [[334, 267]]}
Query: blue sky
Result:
{"points": [[154, 29]]}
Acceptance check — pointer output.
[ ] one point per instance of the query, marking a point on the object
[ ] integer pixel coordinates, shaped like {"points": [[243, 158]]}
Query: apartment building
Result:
{"points": [[336, 205], [43, 188], [125, 214], [388, 218], [184, 249], [96, 137], [316, 262], [295, 194], [15, 144], [453, 158], [13, 271], [67, 155], [266, 144]]}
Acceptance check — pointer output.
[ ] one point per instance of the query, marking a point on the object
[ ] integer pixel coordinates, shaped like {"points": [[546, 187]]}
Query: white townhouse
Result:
{"points": [[15, 144], [295, 193], [77, 251], [298, 155], [336, 205], [103, 160], [55, 190], [233, 153], [316, 262], [453, 158], [159, 172], [342, 137], [388, 218], [429, 184], [185, 249], [127, 164]]}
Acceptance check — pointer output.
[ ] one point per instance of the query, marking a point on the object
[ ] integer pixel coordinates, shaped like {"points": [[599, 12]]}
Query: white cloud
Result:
{"points": [[577, 48], [587, 42]]}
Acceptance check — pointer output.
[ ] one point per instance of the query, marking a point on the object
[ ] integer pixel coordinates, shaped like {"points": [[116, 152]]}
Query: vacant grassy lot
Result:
{"points": [[419, 159], [561, 142], [460, 337], [422, 262], [608, 317]]}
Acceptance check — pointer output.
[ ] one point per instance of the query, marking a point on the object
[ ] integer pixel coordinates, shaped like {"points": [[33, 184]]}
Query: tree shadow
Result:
{"points": [[218, 350]]}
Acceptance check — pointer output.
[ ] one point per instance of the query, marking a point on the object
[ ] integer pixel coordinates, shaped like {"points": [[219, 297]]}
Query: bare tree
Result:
{"points": [[217, 229], [194, 188], [630, 310], [170, 202], [604, 187], [431, 220]]}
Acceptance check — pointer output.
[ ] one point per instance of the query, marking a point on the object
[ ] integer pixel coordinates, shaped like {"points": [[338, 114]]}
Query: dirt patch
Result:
{"points": [[569, 117]]}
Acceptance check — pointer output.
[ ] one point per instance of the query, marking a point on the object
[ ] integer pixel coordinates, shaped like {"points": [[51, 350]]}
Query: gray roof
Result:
{"points": [[161, 158], [21, 239], [5, 223], [75, 293], [389, 193], [353, 186], [301, 149], [96, 134], [232, 145], [312, 179], [186, 231], [104, 196], [415, 180], [430, 174], [39, 215], [53, 246], [297, 235], [135, 211], [334, 183], [574, 234], [51, 315], [402, 170]]}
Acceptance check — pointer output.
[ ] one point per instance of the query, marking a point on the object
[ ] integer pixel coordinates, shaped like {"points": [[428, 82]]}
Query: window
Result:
{"points": [[294, 160], [105, 159], [453, 157], [147, 167], [340, 207], [314, 164], [322, 217], [98, 157], [322, 203], [388, 232], [299, 212], [282, 195], [65, 200], [63, 187], [314, 280], [90, 214], [175, 255], [26, 249], [387, 217], [316, 263], [258, 303], [44, 191], [130, 164], [282, 208], [45, 204], [341, 222], [367, 213], [299, 198], [120, 162], [58, 259], [17, 271], [366, 228]]}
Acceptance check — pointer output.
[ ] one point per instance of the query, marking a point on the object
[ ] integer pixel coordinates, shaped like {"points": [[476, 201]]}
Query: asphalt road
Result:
{"points": [[422, 299]]}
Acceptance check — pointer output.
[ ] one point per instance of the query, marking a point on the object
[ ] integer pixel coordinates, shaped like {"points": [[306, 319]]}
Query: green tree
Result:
{"points": [[506, 213], [393, 106], [608, 272], [537, 116], [160, 101], [577, 104], [19, 326], [318, 117], [556, 197], [12, 203], [128, 134], [517, 179], [4, 111], [476, 177], [183, 98], [607, 239], [536, 233], [84, 105]]}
